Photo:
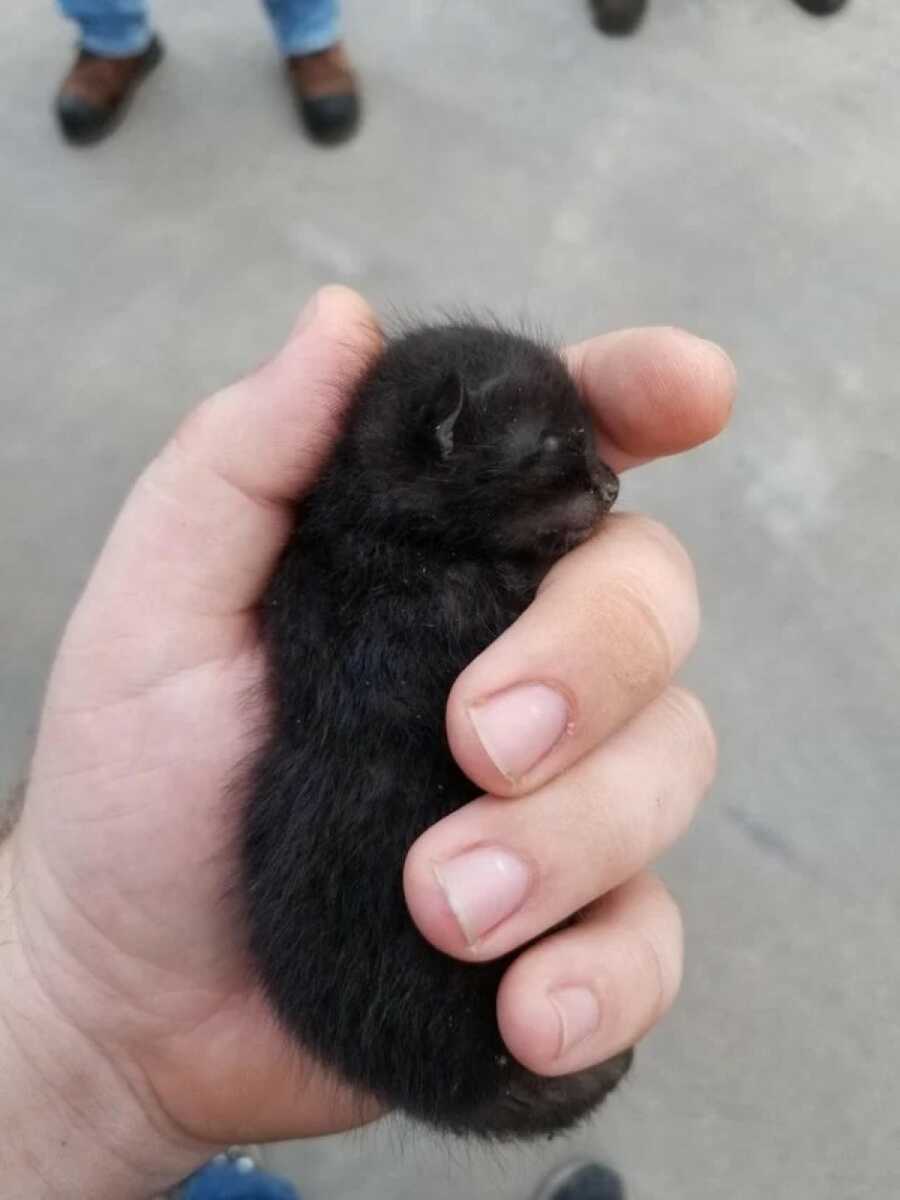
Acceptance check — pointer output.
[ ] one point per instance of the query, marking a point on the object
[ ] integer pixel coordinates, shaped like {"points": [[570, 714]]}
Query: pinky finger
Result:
{"points": [[586, 993]]}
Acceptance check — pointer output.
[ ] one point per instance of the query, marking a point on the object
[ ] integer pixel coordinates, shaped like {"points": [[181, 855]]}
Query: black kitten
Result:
{"points": [[466, 469]]}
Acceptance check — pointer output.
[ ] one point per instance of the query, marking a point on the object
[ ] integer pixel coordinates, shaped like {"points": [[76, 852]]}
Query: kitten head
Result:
{"points": [[482, 443]]}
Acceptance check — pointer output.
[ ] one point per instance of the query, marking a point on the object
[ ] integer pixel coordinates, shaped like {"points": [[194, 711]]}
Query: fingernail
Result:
{"points": [[578, 1013], [723, 355], [308, 315], [518, 727], [483, 887]]}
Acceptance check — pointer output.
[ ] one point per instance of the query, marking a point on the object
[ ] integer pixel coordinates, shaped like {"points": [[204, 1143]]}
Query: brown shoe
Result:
{"points": [[325, 93], [95, 93]]}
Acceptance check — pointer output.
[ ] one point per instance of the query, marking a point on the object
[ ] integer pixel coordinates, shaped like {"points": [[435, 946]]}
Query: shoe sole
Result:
{"points": [[822, 12], [331, 137], [327, 136], [619, 26], [154, 55]]}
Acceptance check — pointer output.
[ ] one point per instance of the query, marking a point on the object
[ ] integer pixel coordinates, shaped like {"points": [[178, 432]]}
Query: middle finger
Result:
{"points": [[494, 875]]}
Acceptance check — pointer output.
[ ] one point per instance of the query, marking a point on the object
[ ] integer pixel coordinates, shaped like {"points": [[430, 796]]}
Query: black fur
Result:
{"points": [[466, 468]]}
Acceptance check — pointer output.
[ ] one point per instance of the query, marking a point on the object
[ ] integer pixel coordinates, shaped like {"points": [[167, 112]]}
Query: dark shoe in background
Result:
{"points": [[618, 16], [94, 95], [821, 8], [582, 1180], [325, 93]]}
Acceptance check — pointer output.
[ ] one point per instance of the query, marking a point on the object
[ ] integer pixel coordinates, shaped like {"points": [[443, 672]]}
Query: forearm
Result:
{"points": [[72, 1123]]}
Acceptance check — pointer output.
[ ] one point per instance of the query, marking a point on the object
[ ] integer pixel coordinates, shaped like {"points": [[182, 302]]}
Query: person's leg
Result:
{"points": [[110, 28], [308, 33], [304, 26], [234, 1176], [117, 49]]}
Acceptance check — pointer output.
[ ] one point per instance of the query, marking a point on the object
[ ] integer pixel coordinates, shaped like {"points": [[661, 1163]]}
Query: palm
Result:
{"points": [[153, 864], [129, 834]]}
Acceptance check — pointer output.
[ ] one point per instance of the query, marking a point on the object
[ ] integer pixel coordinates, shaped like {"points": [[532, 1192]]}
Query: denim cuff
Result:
{"points": [[226, 1181], [310, 41], [110, 40]]}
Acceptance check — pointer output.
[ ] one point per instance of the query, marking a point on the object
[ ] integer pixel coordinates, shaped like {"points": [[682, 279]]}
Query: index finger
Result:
{"points": [[203, 527], [652, 391]]}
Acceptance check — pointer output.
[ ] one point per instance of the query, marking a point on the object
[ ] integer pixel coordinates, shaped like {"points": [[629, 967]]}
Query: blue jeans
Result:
{"points": [[220, 1180], [117, 28]]}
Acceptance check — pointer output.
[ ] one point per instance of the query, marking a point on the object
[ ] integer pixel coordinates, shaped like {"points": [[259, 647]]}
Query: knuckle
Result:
{"points": [[669, 547], [646, 653], [659, 569], [192, 428], [623, 843], [693, 718], [649, 981], [657, 958], [201, 422]]}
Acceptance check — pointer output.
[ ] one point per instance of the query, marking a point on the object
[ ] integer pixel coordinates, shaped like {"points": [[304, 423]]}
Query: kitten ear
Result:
{"points": [[444, 411]]}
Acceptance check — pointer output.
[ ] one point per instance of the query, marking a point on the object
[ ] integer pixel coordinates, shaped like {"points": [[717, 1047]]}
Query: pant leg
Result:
{"points": [[304, 26], [226, 1181], [113, 28]]}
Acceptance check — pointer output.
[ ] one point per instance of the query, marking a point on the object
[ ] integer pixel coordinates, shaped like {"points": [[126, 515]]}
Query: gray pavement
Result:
{"points": [[734, 170]]}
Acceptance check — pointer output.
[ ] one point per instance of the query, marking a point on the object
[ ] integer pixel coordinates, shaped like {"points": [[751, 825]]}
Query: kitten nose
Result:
{"points": [[607, 489]]}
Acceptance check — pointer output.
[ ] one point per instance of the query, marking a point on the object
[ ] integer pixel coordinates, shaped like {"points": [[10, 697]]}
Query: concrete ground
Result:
{"points": [[734, 169]]}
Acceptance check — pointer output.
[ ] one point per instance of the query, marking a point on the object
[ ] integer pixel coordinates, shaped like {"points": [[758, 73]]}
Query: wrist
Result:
{"points": [[76, 1119]]}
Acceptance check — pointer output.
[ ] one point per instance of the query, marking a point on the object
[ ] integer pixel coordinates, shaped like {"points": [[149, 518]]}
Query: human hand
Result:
{"points": [[122, 931]]}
